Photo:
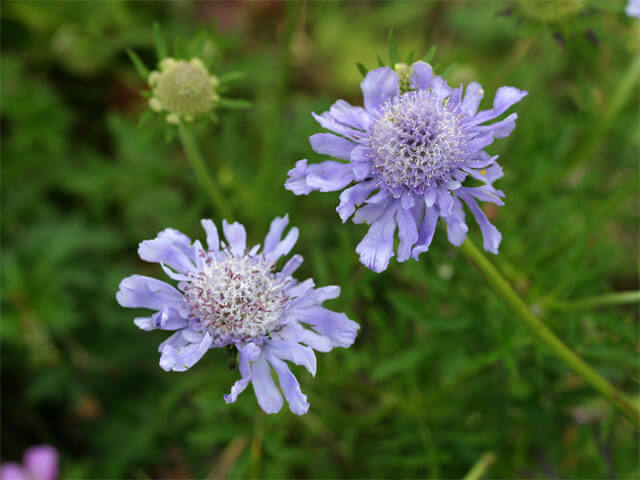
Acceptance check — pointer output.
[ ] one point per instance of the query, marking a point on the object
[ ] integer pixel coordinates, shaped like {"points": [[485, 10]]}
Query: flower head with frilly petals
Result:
{"points": [[408, 152], [228, 294]]}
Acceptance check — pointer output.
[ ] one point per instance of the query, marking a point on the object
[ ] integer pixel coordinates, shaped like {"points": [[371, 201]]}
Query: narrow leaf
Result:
{"points": [[362, 68], [380, 62], [144, 119], [234, 103], [410, 57], [393, 51], [449, 70], [231, 77], [140, 67], [429, 56], [161, 46]]}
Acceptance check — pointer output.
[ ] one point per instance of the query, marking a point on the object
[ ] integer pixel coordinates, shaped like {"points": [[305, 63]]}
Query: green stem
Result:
{"points": [[622, 93], [480, 467], [193, 155], [546, 336], [608, 299]]}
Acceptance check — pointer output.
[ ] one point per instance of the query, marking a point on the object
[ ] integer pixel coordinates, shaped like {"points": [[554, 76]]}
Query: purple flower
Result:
{"points": [[39, 462], [407, 153], [633, 8], [229, 294]]}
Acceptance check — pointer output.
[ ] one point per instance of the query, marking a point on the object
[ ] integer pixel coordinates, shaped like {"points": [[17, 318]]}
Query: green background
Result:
{"points": [[441, 372]]}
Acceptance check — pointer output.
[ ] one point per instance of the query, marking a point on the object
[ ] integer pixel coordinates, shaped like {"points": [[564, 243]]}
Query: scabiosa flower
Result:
{"points": [[231, 295], [408, 152], [633, 8], [183, 90], [39, 462]]}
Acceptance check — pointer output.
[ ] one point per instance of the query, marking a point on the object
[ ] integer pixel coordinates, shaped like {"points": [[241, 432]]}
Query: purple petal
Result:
{"points": [[490, 234], [139, 291], [292, 265], [166, 319], [294, 352], [425, 234], [347, 114], [285, 246], [41, 461], [633, 8], [456, 227], [500, 129], [171, 248], [290, 387], [472, 98], [361, 163], [296, 333], [376, 248], [487, 175], [379, 86], [326, 120], [422, 76], [246, 354], [274, 235], [12, 471], [183, 358], [332, 145], [407, 233], [267, 393], [297, 181], [336, 326], [505, 98], [353, 196], [213, 240], [236, 236], [329, 176]]}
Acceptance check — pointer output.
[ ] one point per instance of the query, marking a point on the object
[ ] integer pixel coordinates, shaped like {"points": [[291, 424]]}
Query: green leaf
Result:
{"points": [[410, 57], [430, 54], [449, 70], [144, 119], [380, 62], [234, 103], [231, 77], [142, 70], [161, 45], [362, 68], [393, 50]]}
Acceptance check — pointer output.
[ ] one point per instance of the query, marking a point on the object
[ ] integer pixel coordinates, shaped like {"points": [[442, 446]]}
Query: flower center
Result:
{"points": [[185, 88], [236, 297], [416, 141]]}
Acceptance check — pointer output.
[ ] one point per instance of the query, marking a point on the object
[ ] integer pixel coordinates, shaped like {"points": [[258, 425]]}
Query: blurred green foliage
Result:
{"points": [[440, 373]]}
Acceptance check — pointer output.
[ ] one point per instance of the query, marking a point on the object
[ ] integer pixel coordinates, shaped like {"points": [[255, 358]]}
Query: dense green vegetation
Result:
{"points": [[442, 371]]}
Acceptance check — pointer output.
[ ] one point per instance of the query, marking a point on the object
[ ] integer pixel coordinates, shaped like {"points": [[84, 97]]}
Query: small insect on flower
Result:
{"points": [[39, 462], [408, 152], [231, 295]]}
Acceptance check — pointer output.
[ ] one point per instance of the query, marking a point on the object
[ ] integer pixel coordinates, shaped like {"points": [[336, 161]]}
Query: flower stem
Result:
{"points": [[195, 158], [606, 300], [480, 467], [590, 144], [546, 336]]}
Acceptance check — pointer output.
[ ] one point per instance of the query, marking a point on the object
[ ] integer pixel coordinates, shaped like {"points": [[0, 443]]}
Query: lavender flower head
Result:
{"points": [[408, 152], [39, 462], [229, 294], [633, 8]]}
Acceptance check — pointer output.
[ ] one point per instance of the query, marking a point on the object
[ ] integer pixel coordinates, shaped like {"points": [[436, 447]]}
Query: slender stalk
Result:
{"points": [[606, 300], [256, 445], [623, 91], [546, 336], [481, 466], [193, 155]]}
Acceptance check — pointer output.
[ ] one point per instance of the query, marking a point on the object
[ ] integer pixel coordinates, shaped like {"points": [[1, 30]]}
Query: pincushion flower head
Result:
{"points": [[39, 462], [405, 158], [184, 89], [232, 295]]}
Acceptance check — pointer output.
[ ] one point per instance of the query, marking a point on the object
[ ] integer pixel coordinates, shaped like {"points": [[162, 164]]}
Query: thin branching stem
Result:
{"points": [[547, 337], [195, 158]]}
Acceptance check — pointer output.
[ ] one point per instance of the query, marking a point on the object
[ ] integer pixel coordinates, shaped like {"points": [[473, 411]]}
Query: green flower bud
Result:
{"points": [[404, 72], [183, 89]]}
